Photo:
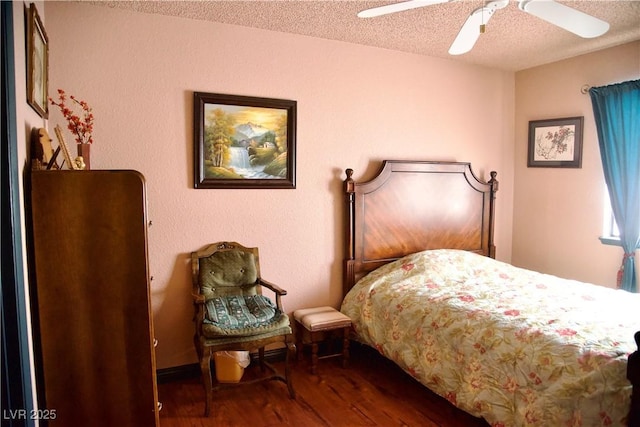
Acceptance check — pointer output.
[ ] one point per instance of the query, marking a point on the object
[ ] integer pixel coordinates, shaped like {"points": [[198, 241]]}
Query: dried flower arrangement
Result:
{"points": [[81, 126]]}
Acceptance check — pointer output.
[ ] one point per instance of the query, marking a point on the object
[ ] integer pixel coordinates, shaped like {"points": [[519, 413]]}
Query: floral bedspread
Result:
{"points": [[516, 347]]}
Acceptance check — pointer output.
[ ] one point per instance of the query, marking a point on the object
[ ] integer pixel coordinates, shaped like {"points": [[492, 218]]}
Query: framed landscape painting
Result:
{"points": [[37, 64], [244, 142], [555, 143]]}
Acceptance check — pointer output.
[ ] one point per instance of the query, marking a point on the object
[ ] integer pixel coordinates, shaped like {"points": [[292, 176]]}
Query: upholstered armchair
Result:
{"points": [[231, 314]]}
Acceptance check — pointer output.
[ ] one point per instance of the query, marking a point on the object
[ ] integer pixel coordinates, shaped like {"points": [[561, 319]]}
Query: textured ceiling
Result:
{"points": [[514, 40]]}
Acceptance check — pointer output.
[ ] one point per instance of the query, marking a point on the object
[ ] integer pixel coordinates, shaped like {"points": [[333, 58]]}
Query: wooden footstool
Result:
{"points": [[313, 323]]}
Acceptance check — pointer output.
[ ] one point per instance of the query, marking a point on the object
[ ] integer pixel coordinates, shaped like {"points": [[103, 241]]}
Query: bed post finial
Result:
{"points": [[493, 181], [348, 183]]}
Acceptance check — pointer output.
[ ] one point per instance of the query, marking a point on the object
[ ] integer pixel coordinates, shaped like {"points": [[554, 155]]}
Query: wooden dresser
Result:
{"points": [[93, 330]]}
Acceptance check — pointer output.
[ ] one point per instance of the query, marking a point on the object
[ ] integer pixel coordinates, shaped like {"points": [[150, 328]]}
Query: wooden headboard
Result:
{"points": [[410, 206]]}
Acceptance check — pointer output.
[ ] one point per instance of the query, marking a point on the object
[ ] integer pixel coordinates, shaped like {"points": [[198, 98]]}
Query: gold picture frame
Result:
{"points": [[37, 64], [244, 141]]}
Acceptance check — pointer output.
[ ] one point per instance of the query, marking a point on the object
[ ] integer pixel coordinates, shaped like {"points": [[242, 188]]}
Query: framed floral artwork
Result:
{"points": [[555, 143], [37, 64], [244, 142]]}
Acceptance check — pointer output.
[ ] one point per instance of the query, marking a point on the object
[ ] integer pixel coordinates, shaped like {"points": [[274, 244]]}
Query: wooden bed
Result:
{"points": [[413, 206]]}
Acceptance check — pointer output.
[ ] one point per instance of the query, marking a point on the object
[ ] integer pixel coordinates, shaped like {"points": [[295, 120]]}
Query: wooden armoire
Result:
{"points": [[90, 290]]}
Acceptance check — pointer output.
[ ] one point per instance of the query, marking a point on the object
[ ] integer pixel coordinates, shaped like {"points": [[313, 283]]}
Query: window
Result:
{"points": [[610, 231]]}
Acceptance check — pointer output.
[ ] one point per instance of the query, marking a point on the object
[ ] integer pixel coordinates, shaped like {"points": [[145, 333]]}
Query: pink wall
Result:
{"points": [[26, 119], [356, 105], [558, 213]]}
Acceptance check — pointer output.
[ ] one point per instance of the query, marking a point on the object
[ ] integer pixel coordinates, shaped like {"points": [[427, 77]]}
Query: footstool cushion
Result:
{"points": [[321, 318], [317, 320]]}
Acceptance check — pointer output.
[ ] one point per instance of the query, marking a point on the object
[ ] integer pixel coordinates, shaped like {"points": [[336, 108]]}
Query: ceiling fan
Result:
{"points": [[558, 14]]}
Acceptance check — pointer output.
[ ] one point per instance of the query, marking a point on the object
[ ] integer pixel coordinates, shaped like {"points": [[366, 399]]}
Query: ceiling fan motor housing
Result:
{"points": [[495, 5]]}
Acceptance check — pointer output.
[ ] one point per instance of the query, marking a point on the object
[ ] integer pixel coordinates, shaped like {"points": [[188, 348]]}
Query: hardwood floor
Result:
{"points": [[372, 391]]}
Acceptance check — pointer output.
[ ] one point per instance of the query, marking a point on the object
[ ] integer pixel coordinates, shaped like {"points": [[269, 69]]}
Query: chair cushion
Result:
{"points": [[238, 315]]}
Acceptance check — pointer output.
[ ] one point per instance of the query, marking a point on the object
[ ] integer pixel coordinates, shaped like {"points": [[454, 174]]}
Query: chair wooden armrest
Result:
{"points": [[275, 288], [198, 298]]}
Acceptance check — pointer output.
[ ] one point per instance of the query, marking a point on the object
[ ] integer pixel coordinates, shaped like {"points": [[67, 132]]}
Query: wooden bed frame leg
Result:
{"points": [[633, 375]]}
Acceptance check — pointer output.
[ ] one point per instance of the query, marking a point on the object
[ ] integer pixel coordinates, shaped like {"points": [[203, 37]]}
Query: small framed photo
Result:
{"points": [[244, 142], [555, 143], [37, 64]]}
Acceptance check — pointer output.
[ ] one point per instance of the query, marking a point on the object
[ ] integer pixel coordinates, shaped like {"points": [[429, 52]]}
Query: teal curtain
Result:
{"points": [[617, 113]]}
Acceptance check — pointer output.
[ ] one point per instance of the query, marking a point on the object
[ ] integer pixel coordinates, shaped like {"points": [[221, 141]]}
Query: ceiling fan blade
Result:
{"points": [[397, 7], [570, 19], [470, 31]]}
